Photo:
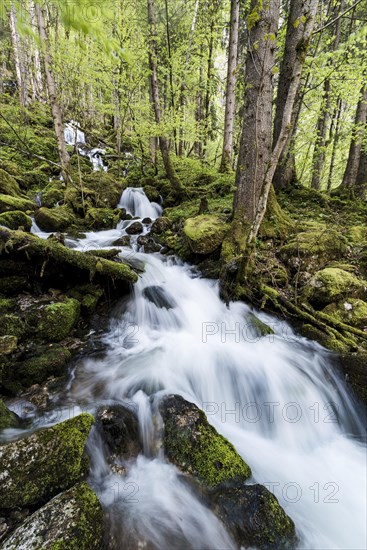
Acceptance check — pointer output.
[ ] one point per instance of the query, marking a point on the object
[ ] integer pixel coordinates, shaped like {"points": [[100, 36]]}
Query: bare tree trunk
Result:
{"points": [[183, 83], [351, 170], [208, 87], [18, 57], [52, 93], [154, 142], [198, 146], [335, 136], [288, 116], [230, 111], [37, 80], [153, 65]]}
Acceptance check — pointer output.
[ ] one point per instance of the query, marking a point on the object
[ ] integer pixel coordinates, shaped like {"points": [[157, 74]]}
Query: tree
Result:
{"points": [[20, 69], [355, 149], [230, 108]]}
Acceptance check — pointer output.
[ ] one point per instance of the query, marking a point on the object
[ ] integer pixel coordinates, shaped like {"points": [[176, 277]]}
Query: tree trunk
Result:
{"points": [[351, 170], [18, 57], [361, 181], [198, 145], [153, 65], [230, 111], [334, 136], [52, 93], [37, 80]]}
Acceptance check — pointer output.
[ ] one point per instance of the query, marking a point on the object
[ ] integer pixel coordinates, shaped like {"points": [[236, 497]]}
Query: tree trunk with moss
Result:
{"points": [[355, 149]]}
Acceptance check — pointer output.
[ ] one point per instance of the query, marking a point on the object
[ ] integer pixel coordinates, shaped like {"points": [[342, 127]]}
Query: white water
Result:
{"points": [[293, 420]]}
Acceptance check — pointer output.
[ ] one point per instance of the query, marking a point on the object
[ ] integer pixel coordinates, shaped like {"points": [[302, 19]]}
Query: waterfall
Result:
{"points": [[277, 398]]}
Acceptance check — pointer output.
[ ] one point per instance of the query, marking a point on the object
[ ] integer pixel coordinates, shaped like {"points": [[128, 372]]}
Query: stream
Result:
{"points": [[277, 398]]}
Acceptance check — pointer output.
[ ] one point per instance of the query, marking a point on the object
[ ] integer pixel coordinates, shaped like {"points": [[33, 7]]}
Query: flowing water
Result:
{"points": [[277, 399]]}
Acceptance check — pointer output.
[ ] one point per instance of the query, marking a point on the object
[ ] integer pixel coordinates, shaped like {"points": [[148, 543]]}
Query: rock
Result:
{"points": [[8, 344], [152, 193], [8, 184], [13, 285], [11, 325], [205, 233], [150, 246], [258, 328], [57, 238], [8, 203], [160, 226], [102, 218], [8, 419], [52, 195], [350, 311], [253, 516], [354, 367], [107, 189], [56, 321], [146, 221], [120, 430], [37, 467], [71, 520], [122, 241], [159, 297], [333, 284], [124, 216], [134, 229], [196, 448], [54, 219], [15, 220]]}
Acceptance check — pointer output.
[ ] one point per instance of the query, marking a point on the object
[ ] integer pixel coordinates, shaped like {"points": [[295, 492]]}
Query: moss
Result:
{"points": [[88, 295], [8, 203], [196, 447], [107, 189], [102, 218], [13, 284], [8, 344], [260, 328], [57, 320], [205, 233], [12, 325], [6, 304], [15, 220], [51, 460], [357, 234], [8, 185], [52, 194], [8, 419], [326, 339], [351, 312], [333, 284], [54, 219]]}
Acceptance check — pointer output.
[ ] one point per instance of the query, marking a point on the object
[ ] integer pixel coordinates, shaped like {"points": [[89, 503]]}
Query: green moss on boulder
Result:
{"points": [[102, 218], [8, 203], [333, 284], [258, 328], [205, 233], [8, 344], [57, 320], [15, 220], [8, 419], [351, 312], [13, 284], [8, 184], [54, 219], [12, 325], [195, 447], [52, 194], [107, 189], [39, 466], [73, 520]]}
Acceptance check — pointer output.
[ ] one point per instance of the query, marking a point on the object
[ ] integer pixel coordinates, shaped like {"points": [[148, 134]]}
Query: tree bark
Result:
{"points": [[230, 110], [361, 181], [18, 57], [351, 170], [52, 93], [334, 136], [153, 65], [37, 80]]}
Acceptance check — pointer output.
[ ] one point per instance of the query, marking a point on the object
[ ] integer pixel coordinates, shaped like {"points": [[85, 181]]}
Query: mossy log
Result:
{"points": [[51, 251]]}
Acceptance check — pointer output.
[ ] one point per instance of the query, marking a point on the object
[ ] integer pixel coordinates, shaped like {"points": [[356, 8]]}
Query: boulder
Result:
{"points": [[253, 516], [54, 219], [159, 297], [8, 184], [8, 344], [37, 467], [102, 218], [160, 226], [8, 419], [196, 448], [205, 233], [107, 189], [257, 327], [134, 229], [122, 241], [15, 220], [333, 284], [119, 428], [149, 244], [350, 311], [8, 203], [354, 368], [73, 520], [52, 194], [56, 321]]}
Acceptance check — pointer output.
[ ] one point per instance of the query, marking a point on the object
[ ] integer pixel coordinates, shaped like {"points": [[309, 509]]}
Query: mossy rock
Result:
{"points": [[13, 284], [52, 194], [332, 285], [88, 296], [326, 339], [151, 192], [54, 219], [107, 189], [357, 234], [102, 218], [350, 312], [15, 220], [354, 367], [8, 203], [195, 447], [205, 233], [8, 185], [18, 376], [73, 520], [12, 325], [8, 419], [57, 320], [39, 466], [6, 304], [8, 344], [258, 328]]}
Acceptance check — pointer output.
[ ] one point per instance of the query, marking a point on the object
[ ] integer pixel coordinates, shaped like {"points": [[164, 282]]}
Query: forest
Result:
{"points": [[183, 274]]}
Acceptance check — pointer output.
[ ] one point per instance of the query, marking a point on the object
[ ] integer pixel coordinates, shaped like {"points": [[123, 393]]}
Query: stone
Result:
{"points": [[205, 233]]}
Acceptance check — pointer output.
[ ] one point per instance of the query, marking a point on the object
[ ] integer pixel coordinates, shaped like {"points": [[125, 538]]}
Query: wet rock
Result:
{"points": [[8, 344], [205, 233], [150, 246], [51, 460], [8, 419], [257, 327], [120, 430], [102, 218], [146, 221], [125, 216], [159, 297], [354, 367], [122, 241], [56, 321], [16, 220], [253, 516], [333, 284], [54, 219], [160, 226], [196, 448], [57, 238], [71, 520], [134, 229]]}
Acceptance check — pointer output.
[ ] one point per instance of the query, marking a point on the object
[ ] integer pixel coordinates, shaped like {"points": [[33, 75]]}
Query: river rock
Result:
{"points": [[333, 284], [119, 428], [253, 516], [37, 467], [160, 226], [122, 241], [195, 446], [16, 220], [159, 297], [8, 419], [205, 233], [150, 246], [73, 520], [54, 219], [134, 229]]}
